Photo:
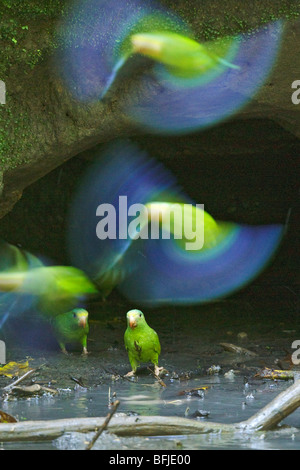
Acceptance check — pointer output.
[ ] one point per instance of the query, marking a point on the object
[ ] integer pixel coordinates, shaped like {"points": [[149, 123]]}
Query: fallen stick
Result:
{"points": [[267, 418], [34, 388], [237, 349], [279, 408], [19, 380], [125, 426], [104, 425], [159, 380]]}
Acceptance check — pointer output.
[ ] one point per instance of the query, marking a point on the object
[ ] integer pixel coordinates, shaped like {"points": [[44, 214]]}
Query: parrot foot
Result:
{"points": [[64, 351], [159, 371], [130, 374], [85, 352]]}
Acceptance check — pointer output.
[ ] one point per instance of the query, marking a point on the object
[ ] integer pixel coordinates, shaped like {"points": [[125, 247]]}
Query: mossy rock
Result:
{"points": [[42, 126]]}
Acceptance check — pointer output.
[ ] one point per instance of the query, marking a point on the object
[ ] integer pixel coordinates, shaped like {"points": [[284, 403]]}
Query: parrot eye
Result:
{"points": [[74, 315], [140, 314]]}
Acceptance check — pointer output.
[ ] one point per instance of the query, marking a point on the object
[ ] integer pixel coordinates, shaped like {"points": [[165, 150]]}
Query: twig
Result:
{"points": [[159, 380], [104, 425], [237, 349], [19, 380], [78, 381], [35, 388]]}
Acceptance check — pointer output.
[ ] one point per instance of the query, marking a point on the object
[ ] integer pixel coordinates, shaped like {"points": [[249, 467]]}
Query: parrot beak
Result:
{"points": [[132, 323], [82, 321]]}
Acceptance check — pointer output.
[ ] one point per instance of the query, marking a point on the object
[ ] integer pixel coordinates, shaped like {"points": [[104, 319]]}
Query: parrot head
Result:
{"points": [[78, 317], [135, 318], [147, 44]]}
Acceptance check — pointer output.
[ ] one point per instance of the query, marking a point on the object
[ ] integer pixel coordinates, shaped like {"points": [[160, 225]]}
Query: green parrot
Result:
{"points": [[183, 56], [141, 342], [71, 327], [55, 288], [54, 292]]}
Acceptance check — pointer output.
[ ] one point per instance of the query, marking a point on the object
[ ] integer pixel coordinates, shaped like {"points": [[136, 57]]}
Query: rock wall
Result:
{"points": [[42, 126]]}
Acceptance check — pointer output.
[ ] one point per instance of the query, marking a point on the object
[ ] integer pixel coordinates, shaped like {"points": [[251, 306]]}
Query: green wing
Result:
{"points": [[56, 289]]}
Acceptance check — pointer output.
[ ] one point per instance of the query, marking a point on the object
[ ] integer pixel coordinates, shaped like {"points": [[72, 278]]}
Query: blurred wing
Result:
{"points": [[57, 289], [25, 282], [116, 174], [154, 271], [175, 105], [14, 263], [161, 97], [169, 274], [96, 38]]}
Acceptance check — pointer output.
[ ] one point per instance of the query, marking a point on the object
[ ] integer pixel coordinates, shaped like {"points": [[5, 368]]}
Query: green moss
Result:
{"points": [[15, 136], [216, 18], [34, 7], [20, 22], [28, 35]]}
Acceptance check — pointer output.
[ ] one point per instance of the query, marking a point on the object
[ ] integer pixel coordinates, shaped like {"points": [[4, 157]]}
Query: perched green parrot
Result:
{"points": [[141, 342], [71, 327]]}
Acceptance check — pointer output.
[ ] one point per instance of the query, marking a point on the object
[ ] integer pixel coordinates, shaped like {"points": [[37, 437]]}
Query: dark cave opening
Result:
{"points": [[242, 171]]}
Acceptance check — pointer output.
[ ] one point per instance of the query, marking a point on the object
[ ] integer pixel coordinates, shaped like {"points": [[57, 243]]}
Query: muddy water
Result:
{"points": [[263, 320]]}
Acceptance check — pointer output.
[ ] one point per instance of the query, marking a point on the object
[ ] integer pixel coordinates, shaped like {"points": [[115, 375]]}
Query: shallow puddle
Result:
{"points": [[190, 348], [225, 401]]}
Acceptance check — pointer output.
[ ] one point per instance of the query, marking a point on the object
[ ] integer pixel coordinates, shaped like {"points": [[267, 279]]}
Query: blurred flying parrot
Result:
{"points": [[182, 56], [27, 283], [141, 342], [192, 259], [185, 85]]}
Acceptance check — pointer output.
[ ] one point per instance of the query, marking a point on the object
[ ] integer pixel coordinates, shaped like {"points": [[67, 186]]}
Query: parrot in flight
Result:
{"points": [[141, 342], [26, 283], [183, 57], [54, 289], [170, 267], [179, 84]]}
